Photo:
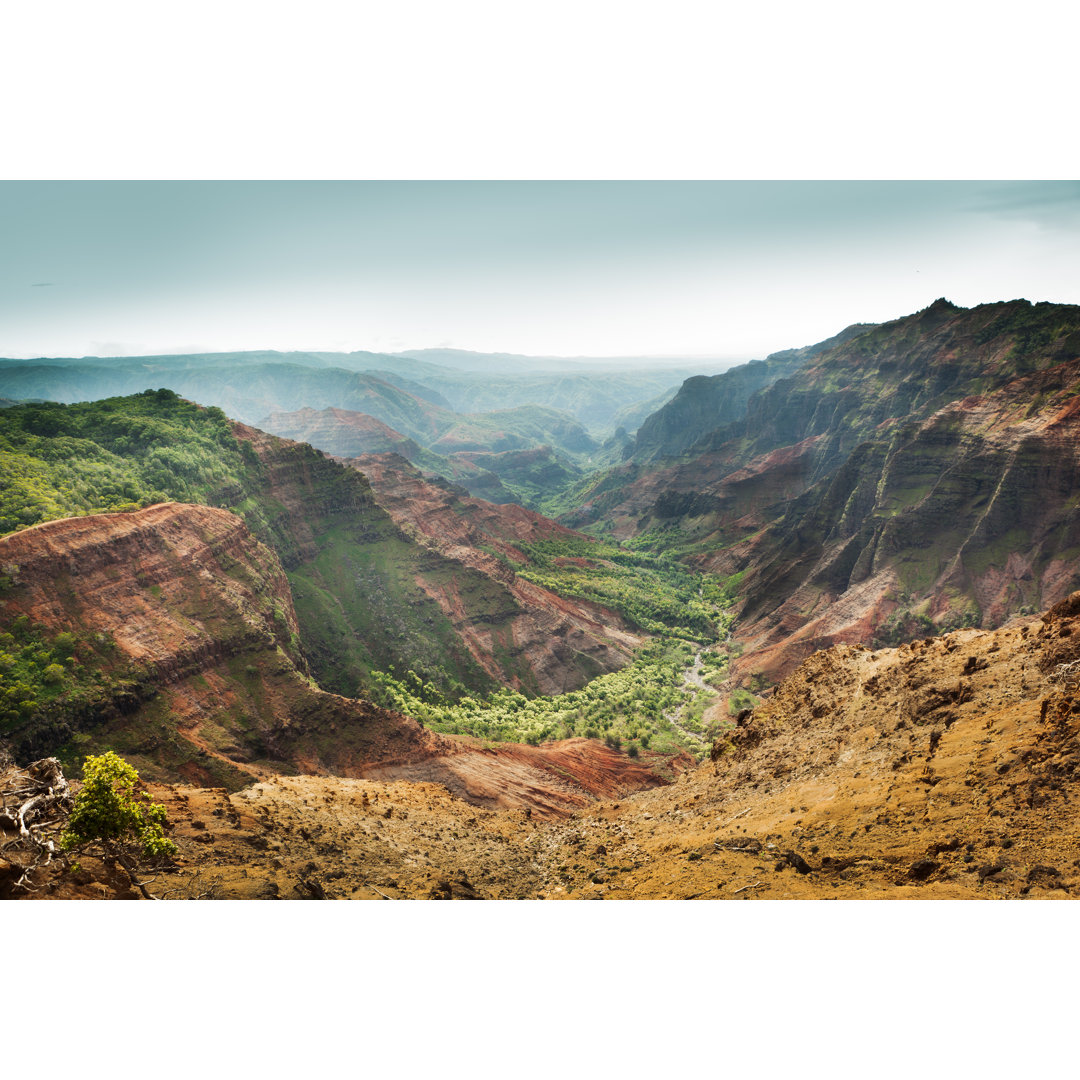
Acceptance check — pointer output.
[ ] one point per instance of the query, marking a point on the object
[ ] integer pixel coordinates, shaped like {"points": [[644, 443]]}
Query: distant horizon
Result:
{"points": [[612, 358], [669, 357]]}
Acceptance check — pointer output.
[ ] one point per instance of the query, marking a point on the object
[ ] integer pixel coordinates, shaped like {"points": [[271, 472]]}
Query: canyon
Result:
{"points": [[872, 526]]}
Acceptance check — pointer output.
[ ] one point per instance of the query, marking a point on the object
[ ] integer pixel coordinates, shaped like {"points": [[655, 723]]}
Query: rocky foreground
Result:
{"points": [[946, 768]]}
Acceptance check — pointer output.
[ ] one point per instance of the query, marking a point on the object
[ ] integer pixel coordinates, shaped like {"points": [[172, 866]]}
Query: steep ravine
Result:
{"points": [[564, 641], [206, 679], [370, 596], [921, 474]]}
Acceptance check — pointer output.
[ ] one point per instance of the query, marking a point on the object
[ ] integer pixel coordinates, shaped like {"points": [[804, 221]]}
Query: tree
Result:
{"points": [[110, 814]]}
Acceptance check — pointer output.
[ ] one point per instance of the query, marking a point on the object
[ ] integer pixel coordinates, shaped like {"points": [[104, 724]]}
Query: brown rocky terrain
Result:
{"points": [[946, 768]]}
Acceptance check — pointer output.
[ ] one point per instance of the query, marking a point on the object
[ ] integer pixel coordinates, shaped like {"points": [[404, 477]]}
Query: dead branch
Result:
{"points": [[756, 885], [1066, 674], [35, 800], [122, 857]]}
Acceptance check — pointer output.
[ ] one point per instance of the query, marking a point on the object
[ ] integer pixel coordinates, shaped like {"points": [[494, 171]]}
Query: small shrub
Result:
{"points": [[111, 815], [53, 674]]}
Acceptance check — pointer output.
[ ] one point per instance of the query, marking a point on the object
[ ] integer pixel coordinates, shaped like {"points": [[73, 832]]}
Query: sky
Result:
{"points": [[710, 269]]}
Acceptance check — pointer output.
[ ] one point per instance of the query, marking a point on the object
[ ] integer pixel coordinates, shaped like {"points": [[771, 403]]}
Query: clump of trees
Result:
{"points": [[633, 705], [40, 668], [655, 593], [113, 455]]}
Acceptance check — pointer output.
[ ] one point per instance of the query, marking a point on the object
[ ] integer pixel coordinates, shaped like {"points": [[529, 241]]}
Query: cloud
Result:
{"points": [[1050, 203], [137, 348]]}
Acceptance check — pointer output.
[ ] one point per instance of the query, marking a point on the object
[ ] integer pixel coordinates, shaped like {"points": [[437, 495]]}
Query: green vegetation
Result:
{"points": [[110, 811], [654, 703], [655, 593], [741, 699], [64, 460], [1032, 327], [39, 669], [364, 591], [113, 819], [630, 709], [908, 625]]}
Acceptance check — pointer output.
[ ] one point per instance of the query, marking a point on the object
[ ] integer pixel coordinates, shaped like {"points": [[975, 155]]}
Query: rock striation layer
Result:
{"points": [[560, 639]]}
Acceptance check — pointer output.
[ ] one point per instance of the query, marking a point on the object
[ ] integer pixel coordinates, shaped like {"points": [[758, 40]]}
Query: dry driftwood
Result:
{"points": [[1067, 674], [34, 799]]}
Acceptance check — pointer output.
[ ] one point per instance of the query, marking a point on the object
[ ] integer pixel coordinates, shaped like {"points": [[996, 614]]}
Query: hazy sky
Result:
{"points": [[701, 268]]}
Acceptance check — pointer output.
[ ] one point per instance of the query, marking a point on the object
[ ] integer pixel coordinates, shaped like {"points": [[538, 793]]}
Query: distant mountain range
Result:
{"points": [[250, 385]]}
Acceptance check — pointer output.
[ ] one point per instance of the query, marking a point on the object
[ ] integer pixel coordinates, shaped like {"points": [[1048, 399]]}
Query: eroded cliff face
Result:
{"points": [[970, 517], [922, 474], [557, 643], [205, 677], [706, 403], [140, 577]]}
